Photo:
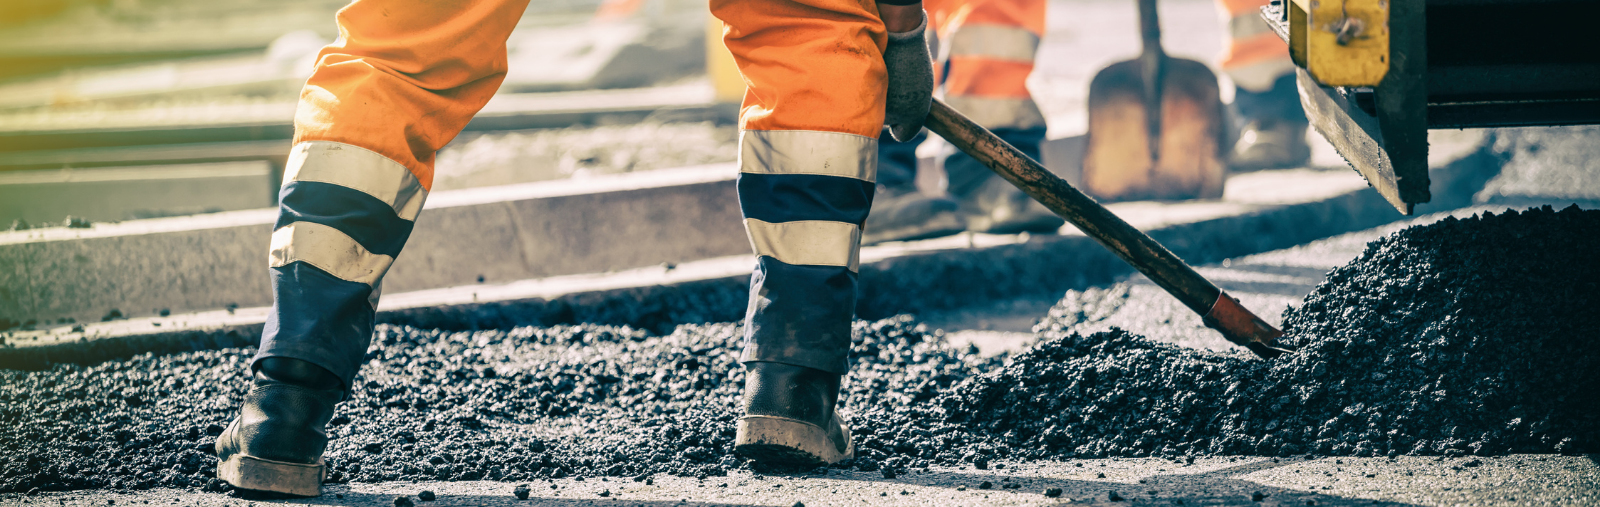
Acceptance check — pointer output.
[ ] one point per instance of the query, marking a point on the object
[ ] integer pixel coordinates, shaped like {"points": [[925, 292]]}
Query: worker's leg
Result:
{"points": [[808, 144], [1265, 98], [989, 47], [403, 80]]}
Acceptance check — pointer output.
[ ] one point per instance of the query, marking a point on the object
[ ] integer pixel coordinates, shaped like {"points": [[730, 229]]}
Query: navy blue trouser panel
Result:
{"points": [[966, 174], [800, 315], [790, 197], [319, 319], [364, 218]]}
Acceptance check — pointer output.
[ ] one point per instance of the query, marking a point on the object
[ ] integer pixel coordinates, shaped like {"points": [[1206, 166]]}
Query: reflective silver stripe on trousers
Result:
{"points": [[329, 250], [807, 242], [358, 169], [998, 113], [996, 42], [808, 152]]}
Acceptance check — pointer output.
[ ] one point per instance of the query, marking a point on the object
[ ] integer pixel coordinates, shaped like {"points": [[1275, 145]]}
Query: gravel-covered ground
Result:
{"points": [[1469, 336]]}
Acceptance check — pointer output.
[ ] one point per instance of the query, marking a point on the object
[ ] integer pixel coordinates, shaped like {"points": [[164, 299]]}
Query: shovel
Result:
{"points": [[1155, 126], [1217, 309]]}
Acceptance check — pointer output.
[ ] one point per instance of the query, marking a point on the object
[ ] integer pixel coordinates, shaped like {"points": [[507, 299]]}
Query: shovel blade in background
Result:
{"points": [[1117, 164]]}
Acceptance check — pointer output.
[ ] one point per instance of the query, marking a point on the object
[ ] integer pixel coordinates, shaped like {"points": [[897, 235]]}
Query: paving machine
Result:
{"points": [[1375, 75]]}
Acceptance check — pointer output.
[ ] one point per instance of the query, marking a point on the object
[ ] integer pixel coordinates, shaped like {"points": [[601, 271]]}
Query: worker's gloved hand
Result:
{"points": [[910, 81]]}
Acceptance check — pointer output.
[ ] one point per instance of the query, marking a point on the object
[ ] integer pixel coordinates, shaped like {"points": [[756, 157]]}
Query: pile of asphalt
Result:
{"points": [[1470, 336]]}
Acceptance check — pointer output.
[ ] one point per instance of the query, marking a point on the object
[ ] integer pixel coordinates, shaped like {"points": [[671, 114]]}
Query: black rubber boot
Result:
{"points": [[276, 443], [790, 417]]}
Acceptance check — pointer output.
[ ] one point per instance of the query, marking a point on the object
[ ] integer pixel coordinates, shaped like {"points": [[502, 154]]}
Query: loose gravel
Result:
{"points": [[1470, 336]]}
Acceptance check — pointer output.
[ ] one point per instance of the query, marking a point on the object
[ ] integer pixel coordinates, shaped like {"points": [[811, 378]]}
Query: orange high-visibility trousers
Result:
{"points": [[407, 75], [404, 77], [1255, 57], [813, 108], [989, 46]]}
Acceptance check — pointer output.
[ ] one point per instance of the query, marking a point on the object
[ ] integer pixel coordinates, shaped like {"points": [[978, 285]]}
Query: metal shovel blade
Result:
{"points": [[1156, 127]]}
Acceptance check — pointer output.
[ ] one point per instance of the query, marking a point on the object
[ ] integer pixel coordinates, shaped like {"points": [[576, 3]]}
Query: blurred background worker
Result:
{"points": [[986, 52], [1273, 125], [404, 79]]}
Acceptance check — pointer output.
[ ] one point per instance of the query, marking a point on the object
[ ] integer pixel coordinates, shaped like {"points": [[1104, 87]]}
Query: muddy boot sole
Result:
{"points": [[784, 441], [267, 476]]}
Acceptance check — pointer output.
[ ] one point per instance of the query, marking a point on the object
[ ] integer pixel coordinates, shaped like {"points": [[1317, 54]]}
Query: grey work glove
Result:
{"points": [[910, 82]]}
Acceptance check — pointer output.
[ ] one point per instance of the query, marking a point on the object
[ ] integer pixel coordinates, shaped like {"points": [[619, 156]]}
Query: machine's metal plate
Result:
{"points": [[1353, 133]]}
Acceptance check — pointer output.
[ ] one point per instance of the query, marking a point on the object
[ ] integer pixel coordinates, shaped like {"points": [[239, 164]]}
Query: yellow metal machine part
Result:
{"points": [[724, 73], [1341, 42]]}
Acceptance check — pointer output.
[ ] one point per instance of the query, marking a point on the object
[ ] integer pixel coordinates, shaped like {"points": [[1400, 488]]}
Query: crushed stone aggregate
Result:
{"points": [[1462, 337]]}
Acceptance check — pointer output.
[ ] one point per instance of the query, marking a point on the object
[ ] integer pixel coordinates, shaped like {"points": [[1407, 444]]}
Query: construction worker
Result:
{"points": [[986, 53], [404, 78], [1266, 100]]}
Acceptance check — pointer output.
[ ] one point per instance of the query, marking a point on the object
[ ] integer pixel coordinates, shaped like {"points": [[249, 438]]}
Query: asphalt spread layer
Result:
{"points": [[518, 404], [1466, 336]]}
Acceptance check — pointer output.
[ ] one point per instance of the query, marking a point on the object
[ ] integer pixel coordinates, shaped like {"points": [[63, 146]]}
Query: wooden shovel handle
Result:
{"points": [[1133, 246]]}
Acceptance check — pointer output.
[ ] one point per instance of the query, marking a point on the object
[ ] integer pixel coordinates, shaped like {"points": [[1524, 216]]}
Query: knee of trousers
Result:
{"points": [[407, 75], [344, 214], [813, 65]]}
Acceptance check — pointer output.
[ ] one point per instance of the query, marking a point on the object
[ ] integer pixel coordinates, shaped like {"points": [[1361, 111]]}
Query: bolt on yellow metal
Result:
{"points": [[1341, 42]]}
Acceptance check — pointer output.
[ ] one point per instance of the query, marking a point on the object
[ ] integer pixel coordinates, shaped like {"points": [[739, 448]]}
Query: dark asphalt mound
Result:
{"points": [[1473, 336], [1462, 336]]}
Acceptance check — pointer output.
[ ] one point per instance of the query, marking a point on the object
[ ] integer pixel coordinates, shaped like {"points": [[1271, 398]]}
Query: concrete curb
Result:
{"points": [[512, 232], [1263, 211]]}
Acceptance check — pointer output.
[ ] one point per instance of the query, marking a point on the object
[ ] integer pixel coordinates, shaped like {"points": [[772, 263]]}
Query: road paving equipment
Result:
{"points": [[1376, 75]]}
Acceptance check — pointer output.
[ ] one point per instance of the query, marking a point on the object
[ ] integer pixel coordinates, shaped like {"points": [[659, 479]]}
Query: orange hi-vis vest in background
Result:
{"points": [[988, 47], [1255, 57]]}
